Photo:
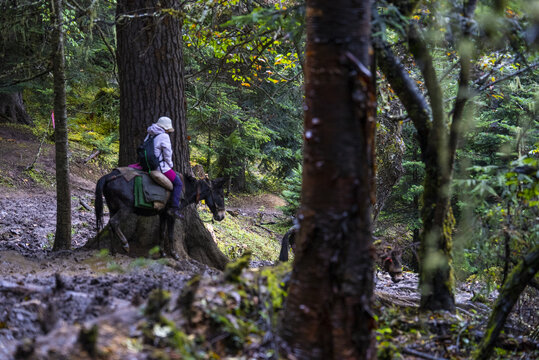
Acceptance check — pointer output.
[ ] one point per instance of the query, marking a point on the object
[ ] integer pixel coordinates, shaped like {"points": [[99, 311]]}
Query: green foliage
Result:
{"points": [[236, 236], [501, 206], [403, 205], [244, 83], [292, 192]]}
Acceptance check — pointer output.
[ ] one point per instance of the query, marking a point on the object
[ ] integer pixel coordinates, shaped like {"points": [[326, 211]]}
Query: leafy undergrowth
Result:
{"points": [[238, 234], [404, 333]]}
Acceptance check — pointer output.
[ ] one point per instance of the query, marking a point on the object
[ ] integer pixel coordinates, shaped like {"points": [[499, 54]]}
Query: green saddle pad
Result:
{"points": [[140, 201]]}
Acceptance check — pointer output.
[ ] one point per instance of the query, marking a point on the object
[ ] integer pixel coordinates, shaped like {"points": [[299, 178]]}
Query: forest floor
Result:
{"points": [[51, 302]]}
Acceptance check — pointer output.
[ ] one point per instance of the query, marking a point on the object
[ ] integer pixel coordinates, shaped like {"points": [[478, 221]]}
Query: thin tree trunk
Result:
{"points": [[62, 239], [516, 282], [328, 311]]}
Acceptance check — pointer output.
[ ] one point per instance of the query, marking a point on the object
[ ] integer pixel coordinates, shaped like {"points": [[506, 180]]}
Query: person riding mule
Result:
{"points": [[119, 193], [163, 152], [123, 195]]}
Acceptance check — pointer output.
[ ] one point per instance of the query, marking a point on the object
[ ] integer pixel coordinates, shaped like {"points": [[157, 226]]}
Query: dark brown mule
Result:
{"points": [[120, 198]]}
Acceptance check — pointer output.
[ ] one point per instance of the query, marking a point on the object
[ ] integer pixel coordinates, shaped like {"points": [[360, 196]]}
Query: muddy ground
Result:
{"points": [[44, 292]]}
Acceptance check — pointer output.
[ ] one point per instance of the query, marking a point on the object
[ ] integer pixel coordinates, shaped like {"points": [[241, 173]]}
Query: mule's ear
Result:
{"points": [[219, 182]]}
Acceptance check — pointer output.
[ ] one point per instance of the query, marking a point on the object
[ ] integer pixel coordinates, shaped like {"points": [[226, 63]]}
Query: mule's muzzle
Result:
{"points": [[219, 216], [396, 276]]}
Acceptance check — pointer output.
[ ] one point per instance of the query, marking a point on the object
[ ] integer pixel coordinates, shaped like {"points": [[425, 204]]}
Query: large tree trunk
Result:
{"points": [[142, 233], [328, 310], [12, 109], [62, 239], [150, 64]]}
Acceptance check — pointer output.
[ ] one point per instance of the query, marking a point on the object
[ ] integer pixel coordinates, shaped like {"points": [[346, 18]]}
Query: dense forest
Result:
{"points": [[389, 148]]}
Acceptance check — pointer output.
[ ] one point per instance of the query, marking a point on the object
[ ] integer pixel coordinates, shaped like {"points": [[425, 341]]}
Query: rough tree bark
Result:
{"points": [[328, 311], [62, 238], [12, 109], [151, 74]]}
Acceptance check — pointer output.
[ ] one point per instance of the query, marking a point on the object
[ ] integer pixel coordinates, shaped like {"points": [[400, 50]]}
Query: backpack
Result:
{"points": [[146, 155]]}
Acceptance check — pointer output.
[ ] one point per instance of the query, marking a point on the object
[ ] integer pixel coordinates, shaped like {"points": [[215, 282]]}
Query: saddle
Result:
{"points": [[151, 191]]}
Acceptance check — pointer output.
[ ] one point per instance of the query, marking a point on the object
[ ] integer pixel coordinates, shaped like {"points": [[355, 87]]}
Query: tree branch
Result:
{"points": [[465, 50], [482, 88], [419, 50], [409, 94]]}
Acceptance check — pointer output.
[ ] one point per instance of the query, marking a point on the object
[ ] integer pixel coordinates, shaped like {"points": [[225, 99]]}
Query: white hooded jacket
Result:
{"points": [[161, 146]]}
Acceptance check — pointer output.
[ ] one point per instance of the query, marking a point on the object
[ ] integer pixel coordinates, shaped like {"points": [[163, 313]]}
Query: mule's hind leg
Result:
{"points": [[115, 222], [171, 221], [163, 244]]}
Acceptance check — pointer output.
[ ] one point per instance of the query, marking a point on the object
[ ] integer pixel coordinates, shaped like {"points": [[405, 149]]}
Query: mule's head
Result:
{"points": [[391, 262], [214, 197]]}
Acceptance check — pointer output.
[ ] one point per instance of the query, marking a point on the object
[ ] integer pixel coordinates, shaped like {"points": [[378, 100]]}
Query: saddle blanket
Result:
{"points": [[151, 191]]}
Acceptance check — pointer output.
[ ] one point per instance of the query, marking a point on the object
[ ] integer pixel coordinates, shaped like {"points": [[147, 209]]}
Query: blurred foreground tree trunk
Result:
{"points": [[62, 239], [151, 74], [328, 311]]}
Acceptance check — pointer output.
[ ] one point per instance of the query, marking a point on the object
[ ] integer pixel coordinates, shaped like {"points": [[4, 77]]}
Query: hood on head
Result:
{"points": [[155, 129]]}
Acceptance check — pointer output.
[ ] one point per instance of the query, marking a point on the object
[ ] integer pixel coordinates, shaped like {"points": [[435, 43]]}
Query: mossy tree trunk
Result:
{"points": [[438, 140], [328, 310], [62, 238], [516, 282], [151, 74]]}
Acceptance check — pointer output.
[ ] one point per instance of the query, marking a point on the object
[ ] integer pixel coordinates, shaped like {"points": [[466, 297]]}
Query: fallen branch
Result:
{"points": [[31, 166], [265, 228], [92, 155], [420, 354], [85, 205], [6, 286]]}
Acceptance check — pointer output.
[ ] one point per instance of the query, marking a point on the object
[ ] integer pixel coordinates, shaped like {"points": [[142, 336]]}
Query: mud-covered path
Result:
{"points": [[41, 290]]}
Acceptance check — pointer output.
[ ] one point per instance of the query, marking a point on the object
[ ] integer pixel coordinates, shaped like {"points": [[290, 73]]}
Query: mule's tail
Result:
{"points": [[285, 245], [99, 203], [283, 255]]}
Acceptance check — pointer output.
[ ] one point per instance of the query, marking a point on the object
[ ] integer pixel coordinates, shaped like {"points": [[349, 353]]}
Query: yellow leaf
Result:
{"points": [[245, 84]]}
